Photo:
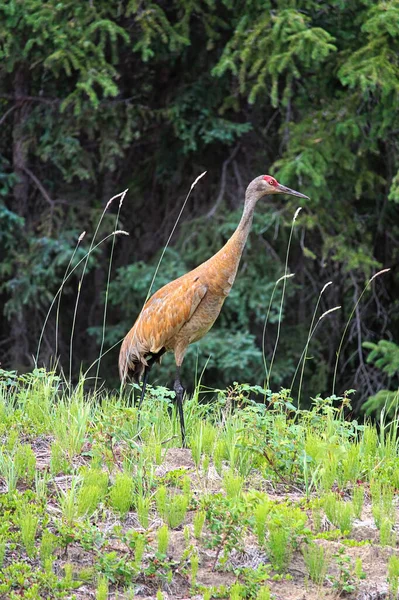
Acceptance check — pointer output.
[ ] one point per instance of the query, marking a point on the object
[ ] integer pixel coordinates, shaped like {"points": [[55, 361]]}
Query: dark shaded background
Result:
{"points": [[101, 96]]}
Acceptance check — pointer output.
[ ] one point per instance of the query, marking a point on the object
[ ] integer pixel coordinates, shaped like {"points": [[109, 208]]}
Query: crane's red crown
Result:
{"points": [[270, 180]]}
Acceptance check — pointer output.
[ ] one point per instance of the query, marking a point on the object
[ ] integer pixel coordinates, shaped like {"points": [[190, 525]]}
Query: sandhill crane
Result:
{"points": [[184, 310]]}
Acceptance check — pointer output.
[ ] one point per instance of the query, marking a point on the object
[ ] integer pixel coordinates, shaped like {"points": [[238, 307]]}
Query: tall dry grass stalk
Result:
{"points": [[265, 324], [80, 238], [71, 272], [121, 194], [304, 353], [298, 210], [349, 320], [310, 335], [107, 289]]}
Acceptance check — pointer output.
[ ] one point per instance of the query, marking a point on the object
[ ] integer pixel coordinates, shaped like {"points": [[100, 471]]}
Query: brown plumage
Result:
{"points": [[184, 310]]}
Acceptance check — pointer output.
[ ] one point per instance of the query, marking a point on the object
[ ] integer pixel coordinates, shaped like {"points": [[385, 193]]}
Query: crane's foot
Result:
{"points": [[179, 390]]}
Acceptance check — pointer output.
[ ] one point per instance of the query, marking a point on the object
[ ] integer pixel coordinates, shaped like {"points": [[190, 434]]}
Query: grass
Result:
{"points": [[232, 516]]}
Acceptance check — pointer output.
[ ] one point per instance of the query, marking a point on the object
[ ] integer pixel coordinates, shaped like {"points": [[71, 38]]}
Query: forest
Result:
{"points": [[104, 96]]}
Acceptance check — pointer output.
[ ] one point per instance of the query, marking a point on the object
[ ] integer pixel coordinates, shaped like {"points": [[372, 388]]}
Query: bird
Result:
{"points": [[184, 310]]}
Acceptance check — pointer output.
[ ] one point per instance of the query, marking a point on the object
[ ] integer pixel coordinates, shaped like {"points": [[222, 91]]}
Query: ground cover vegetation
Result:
{"points": [[103, 96], [266, 502]]}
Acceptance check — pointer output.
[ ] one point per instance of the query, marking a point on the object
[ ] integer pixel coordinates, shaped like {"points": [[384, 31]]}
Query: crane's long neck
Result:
{"points": [[240, 236], [226, 261]]}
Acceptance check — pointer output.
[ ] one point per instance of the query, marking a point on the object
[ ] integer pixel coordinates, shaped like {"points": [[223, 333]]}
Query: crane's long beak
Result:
{"points": [[282, 189]]}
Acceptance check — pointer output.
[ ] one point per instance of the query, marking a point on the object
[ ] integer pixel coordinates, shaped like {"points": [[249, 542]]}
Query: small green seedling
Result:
{"points": [[358, 501], [194, 568], [198, 523], [233, 484], [102, 588], [261, 513], [121, 494], [163, 539], [143, 510], [264, 593], [316, 561], [28, 522], [393, 575]]}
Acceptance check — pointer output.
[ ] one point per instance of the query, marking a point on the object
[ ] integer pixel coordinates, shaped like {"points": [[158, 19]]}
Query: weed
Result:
{"points": [[198, 523], [70, 424], [102, 588], [28, 522], [163, 540], [121, 494], [219, 455], [161, 500], [68, 576], [350, 465], [176, 510], [172, 508], [339, 512], [88, 499], [261, 513], [393, 575], [236, 591], [279, 547], [139, 547], [264, 593], [233, 484], [316, 561], [194, 563], [387, 533], [41, 483], [317, 516], [9, 472], [358, 570], [143, 509], [187, 534], [48, 544], [25, 462], [58, 460], [358, 501], [286, 525], [3, 547], [382, 507], [68, 503], [117, 569]]}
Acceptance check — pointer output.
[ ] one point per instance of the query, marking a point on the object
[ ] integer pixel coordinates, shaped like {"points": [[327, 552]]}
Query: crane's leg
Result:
{"points": [[179, 390], [145, 377]]}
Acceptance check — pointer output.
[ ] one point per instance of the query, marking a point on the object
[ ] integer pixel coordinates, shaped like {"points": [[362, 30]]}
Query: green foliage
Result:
{"points": [[385, 356]]}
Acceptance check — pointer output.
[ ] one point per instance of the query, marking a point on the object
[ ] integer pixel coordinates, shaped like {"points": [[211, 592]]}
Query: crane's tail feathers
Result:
{"points": [[130, 370], [129, 366]]}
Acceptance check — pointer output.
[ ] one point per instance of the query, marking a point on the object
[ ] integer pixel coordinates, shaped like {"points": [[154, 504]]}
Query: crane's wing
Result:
{"points": [[161, 319]]}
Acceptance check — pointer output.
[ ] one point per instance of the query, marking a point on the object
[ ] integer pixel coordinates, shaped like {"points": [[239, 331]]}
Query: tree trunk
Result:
{"points": [[20, 144], [19, 353]]}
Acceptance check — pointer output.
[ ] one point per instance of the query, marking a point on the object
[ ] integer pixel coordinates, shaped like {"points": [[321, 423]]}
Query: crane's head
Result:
{"points": [[266, 184]]}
